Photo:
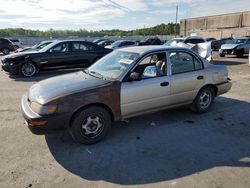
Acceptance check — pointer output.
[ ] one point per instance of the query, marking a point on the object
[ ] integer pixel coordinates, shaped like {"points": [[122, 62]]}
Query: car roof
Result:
{"points": [[145, 49]]}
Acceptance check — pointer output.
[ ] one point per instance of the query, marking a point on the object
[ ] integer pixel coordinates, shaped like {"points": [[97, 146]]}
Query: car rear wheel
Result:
{"points": [[90, 125], [6, 51], [28, 69], [203, 100]]}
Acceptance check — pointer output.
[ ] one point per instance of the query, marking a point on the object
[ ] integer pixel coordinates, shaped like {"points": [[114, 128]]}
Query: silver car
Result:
{"points": [[125, 83], [237, 47]]}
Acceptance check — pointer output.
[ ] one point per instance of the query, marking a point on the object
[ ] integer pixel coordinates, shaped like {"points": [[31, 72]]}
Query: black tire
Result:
{"points": [[222, 54], [27, 69], [90, 125], [207, 94], [5, 51], [240, 53]]}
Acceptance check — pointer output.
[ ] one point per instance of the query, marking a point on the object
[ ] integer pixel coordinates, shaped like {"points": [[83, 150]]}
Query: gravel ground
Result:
{"points": [[172, 148]]}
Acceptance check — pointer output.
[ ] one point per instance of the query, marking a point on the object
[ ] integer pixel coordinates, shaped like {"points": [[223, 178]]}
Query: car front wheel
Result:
{"points": [[90, 125], [222, 54], [6, 51], [203, 100], [28, 69]]}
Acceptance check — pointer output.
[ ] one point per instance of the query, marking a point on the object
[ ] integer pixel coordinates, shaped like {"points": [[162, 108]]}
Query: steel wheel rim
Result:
{"points": [[205, 99], [92, 126], [5, 51], [28, 69]]}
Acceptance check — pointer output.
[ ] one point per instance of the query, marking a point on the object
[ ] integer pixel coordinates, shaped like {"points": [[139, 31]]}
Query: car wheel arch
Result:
{"points": [[215, 89], [102, 105]]}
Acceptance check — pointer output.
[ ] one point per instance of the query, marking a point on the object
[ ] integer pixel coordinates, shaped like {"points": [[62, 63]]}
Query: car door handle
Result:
{"points": [[200, 77], [163, 84]]}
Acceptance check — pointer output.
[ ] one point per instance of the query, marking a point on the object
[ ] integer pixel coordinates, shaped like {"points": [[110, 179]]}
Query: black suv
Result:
{"points": [[6, 46]]}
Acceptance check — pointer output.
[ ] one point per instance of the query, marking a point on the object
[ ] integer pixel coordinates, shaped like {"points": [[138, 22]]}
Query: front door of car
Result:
{"points": [[247, 46], [152, 89], [56, 57], [187, 76]]}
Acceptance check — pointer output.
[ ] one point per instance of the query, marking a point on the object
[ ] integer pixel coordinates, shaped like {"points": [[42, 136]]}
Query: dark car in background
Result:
{"points": [[57, 55], [150, 41], [216, 44], [36, 47], [6, 46], [105, 43], [121, 44]]}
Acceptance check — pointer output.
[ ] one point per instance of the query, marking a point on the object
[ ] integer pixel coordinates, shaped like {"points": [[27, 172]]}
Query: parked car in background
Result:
{"points": [[36, 47], [210, 39], [121, 44], [16, 42], [6, 46], [150, 41], [186, 40], [237, 47], [105, 43], [57, 55], [96, 41], [216, 44], [125, 83]]}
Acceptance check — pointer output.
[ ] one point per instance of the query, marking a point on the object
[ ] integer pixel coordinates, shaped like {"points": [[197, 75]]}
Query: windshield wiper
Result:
{"points": [[96, 74]]}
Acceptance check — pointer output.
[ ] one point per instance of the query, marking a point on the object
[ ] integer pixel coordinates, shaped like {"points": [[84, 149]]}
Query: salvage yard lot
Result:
{"points": [[172, 148]]}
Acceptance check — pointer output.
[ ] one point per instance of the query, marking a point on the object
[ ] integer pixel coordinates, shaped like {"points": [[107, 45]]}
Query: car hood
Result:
{"points": [[59, 86], [228, 46], [20, 54]]}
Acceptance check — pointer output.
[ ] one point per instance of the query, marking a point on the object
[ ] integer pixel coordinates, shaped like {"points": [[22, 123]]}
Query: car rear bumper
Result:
{"points": [[224, 87], [51, 123]]}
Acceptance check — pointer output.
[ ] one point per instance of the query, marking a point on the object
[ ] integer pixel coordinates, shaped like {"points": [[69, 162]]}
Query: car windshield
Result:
{"points": [[239, 41], [116, 44], [47, 47], [113, 65]]}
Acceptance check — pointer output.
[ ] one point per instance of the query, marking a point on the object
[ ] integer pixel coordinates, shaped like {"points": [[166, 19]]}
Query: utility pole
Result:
{"points": [[176, 19]]}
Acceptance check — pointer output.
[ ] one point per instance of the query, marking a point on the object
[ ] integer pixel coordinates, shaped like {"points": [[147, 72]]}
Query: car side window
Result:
{"points": [[151, 66], [60, 48], [79, 47], [182, 62]]}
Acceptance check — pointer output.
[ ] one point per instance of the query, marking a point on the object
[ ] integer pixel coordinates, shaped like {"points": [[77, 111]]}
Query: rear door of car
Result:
{"points": [[150, 93], [187, 76]]}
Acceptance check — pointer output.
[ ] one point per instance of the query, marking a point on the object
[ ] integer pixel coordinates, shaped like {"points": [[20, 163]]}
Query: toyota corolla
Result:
{"points": [[125, 83]]}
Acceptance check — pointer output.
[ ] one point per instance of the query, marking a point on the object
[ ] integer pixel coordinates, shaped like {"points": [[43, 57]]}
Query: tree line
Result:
{"points": [[162, 29]]}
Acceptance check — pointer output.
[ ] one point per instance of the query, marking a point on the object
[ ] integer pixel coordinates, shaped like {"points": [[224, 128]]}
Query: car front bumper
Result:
{"points": [[227, 51], [9, 67], [224, 87], [53, 122]]}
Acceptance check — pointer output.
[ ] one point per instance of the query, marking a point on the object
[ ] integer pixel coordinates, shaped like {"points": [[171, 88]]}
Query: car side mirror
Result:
{"points": [[51, 51], [135, 76]]}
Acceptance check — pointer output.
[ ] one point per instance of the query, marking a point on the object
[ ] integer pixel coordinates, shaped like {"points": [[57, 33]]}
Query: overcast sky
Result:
{"points": [[107, 14]]}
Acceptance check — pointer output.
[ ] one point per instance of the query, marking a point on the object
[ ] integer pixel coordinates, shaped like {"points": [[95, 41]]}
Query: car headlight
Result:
{"points": [[43, 109]]}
